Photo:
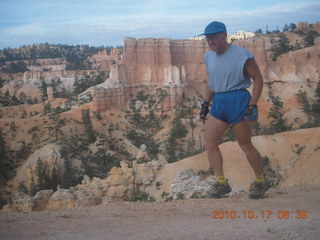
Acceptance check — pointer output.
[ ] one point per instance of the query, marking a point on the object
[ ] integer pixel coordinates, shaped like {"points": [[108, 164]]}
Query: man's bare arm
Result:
{"points": [[208, 94], [252, 69]]}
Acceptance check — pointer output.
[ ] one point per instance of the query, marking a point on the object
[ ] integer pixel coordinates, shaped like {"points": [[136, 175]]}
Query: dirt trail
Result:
{"points": [[181, 219]]}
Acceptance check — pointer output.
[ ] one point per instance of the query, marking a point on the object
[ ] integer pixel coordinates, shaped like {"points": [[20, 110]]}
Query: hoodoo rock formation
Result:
{"points": [[150, 64]]}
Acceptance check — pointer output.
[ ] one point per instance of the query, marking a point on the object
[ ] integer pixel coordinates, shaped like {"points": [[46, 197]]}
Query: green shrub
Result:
{"points": [[271, 174], [33, 129], [22, 188], [180, 196], [166, 197], [140, 196], [278, 124], [310, 37], [310, 108], [3, 202]]}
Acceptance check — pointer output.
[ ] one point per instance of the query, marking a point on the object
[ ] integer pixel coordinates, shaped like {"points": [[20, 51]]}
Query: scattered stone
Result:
{"points": [[188, 184]]}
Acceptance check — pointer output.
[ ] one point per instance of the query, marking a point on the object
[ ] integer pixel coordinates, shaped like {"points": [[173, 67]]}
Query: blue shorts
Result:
{"points": [[230, 107]]}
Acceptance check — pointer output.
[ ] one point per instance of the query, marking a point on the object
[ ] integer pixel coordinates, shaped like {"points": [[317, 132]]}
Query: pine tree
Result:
{"points": [[22, 188], [88, 170], [317, 92], [171, 147], [33, 186], [42, 181], [258, 32], [44, 93], [54, 179], [4, 164], [309, 38], [286, 28], [162, 94], [86, 120], [57, 124], [24, 114], [178, 130], [292, 27], [312, 109], [69, 174], [302, 99], [278, 124], [280, 46], [46, 108], [267, 29]]}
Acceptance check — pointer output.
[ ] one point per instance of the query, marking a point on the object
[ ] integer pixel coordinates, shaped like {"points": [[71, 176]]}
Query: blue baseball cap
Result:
{"points": [[214, 27]]}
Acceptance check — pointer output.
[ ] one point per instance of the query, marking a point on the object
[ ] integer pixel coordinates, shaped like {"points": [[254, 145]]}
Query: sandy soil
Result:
{"points": [[181, 219]]}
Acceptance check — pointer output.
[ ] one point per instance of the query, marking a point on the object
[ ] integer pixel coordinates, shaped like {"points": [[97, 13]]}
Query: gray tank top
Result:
{"points": [[225, 71]]}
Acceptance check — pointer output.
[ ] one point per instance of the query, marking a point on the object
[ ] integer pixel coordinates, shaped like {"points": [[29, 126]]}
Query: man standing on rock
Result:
{"points": [[230, 70]]}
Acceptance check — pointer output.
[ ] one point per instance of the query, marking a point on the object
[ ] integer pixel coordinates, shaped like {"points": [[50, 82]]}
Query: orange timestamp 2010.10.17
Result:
{"points": [[264, 214]]}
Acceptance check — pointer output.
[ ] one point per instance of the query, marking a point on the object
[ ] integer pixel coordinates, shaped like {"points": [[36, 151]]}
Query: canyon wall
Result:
{"points": [[175, 65], [170, 61]]}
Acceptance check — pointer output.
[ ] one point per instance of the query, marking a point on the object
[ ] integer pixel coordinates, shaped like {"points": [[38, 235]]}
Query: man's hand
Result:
{"points": [[252, 113], [204, 111]]}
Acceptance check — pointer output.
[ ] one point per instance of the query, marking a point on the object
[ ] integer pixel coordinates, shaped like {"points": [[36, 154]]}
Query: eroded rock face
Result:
{"points": [[62, 198], [22, 202], [41, 199], [121, 183], [153, 63], [141, 55]]}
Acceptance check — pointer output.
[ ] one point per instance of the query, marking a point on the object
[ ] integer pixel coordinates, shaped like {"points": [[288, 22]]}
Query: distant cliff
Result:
{"points": [[154, 63]]}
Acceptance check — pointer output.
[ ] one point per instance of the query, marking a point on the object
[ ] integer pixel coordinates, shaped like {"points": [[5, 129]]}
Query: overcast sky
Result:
{"points": [[108, 22]]}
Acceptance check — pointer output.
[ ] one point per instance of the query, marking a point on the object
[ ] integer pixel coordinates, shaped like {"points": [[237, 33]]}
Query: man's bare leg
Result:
{"points": [[258, 187], [242, 131], [213, 133]]}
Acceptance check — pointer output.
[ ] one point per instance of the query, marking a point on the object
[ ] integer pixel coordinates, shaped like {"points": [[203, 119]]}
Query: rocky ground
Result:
{"points": [[180, 219]]}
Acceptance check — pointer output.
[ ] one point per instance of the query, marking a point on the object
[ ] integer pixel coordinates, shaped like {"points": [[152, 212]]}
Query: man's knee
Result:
{"points": [[246, 146], [210, 144]]}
